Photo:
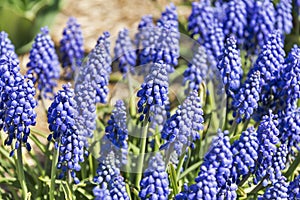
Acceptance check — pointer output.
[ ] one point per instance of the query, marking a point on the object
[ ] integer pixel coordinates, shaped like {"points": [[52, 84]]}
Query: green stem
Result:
{"points": [[190, 169], [173, 179], [53, 173], [293, 166], [142, 152], [179, 166], [20, 170], [259, 186], [131, 97]]}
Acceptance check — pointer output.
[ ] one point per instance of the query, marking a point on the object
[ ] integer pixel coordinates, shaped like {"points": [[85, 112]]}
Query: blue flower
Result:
{"points": [[245, 154], [145, 23], [109, 178], [278, 190], [44, 64], [284, 17], [17, 103], [235, 21], [61, 119], [262, 22], [155, 182], [159, 115], [230, 67], [294, 188], [154, 90], [6, 47], [245, 102], [197, 70], [71, 47], [200, 20], [214, 43], [267, 135], [125, 53], [183, 127], [116, 135], [214, 179]]}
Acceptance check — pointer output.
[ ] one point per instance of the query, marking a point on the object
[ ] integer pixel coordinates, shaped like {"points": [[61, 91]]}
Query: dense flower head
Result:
{"points": [[6, 47], [169, 16], [116, 134], [294, 188], [17, 103], [214, 43], [154, 90], [124, 52], [244, 152], [61, 119], [284, 17], [71, 47], [279, 162], [44, 64], [200, 20], [213, 181], [290, 78], [159, 115], [267, 135], [145, 23], [230, 67], [182, 128], [290, 128], [197, 70], [235, 21], [108, 177], [262, 22], [155, 183], [278, 190], [246, 100]]}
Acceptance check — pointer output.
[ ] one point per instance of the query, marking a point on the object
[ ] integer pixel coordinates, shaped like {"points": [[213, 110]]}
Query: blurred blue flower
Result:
{"points": [[125, 52], [6, 47], [71, 47], [182, 128], [294, 188], [44, 64], [284, 17], [278, 190], [155, 182]]}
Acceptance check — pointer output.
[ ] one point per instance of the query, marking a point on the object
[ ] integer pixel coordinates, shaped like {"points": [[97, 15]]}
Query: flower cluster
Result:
{"points": [[71, 47], [244, 152], [154, 90], [182, 128], [61, 119], [155, 182], [196, 71], [284, 18], [277, 191], [125, 53], [213, 181], [116, 133], [44, 64], [111, 184], [230, 67], [235, 21], [17, 103], [294, 188], [6, 47]]}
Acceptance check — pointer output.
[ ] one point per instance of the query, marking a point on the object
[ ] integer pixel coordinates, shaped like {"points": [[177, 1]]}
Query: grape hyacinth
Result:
{"points": [[200, 20], [284, 17], [17, 103], [155, 182], [71, 47], [196, 71], [279, 190], [182, 129], [44, 64], [245, 102], [154, 90], [145, 24], [125, 53], [267, 135], [230, 67], [244, 152], [294, 188], [109, 180], [116, 133], [235, 21], [213, 181], [290, 78], [61, 119], [6, 47], [262, 22]]}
